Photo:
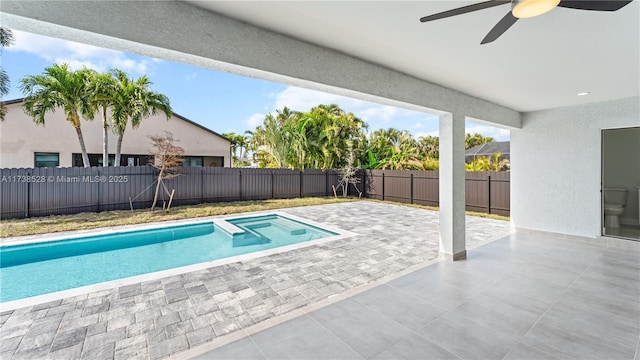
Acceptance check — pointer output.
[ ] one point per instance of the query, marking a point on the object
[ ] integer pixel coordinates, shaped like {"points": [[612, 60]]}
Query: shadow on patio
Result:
{"points": [[522, 297]]}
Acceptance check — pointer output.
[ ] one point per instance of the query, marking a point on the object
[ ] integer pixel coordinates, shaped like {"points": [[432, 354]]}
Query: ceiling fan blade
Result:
{"points": [[604, 5], [464, 10], [502, 26]]}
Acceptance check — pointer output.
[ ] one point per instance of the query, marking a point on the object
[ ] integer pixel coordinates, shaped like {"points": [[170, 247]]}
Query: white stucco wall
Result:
{"points": [[20, 137], [556, 166]]}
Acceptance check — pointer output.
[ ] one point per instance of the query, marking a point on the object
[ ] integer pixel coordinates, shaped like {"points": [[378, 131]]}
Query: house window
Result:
{"points": [[192, 161], [47, 159]]}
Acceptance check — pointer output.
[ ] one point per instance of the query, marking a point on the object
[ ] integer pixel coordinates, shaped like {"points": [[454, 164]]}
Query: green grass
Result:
{"points": [[83, 221]]}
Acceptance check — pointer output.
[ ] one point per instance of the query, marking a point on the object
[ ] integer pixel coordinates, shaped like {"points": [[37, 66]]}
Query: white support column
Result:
{"points": [[452, 187]]}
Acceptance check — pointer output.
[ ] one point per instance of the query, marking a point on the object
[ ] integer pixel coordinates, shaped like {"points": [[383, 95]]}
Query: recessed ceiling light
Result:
{"points": [[584, 93]]}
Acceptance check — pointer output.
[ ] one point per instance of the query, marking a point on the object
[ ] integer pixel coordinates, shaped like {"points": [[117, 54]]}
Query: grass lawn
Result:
{"points": [[83, 221]]}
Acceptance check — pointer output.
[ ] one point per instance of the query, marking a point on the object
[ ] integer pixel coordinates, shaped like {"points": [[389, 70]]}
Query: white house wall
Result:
{"points": [[21, 137], [556, 166]]}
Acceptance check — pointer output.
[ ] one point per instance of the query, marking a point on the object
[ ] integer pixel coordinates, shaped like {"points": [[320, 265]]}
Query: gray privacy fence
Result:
{"points": [[48, 191], [487, 192]]}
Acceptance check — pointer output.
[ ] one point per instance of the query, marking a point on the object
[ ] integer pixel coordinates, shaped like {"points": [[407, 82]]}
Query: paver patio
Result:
{"points": [[156, 319]]}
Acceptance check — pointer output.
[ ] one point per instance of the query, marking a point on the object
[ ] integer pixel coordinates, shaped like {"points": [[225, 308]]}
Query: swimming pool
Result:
{"points": [[32, 269]]}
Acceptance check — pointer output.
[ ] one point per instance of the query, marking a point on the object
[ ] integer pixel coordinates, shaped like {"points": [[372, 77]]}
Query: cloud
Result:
{"points": [[498, 134], [77, 55], [255, 120], [376, 115], [417, 125], [426, 133]]}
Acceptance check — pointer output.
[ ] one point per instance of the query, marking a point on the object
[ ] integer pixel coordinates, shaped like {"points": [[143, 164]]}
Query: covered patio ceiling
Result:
{"points": [[539, 63]]}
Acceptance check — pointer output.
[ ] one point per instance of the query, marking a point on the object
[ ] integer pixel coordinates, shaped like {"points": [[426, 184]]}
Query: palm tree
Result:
{"points": [[394, 150], [101, 88], [239, 143], [133, 101], [6, 39], [429, 146], [475, 140], [275, 138], [59, 87]]}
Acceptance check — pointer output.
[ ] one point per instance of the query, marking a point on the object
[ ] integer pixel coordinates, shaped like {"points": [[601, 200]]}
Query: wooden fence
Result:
{"points": [[48, 191]]}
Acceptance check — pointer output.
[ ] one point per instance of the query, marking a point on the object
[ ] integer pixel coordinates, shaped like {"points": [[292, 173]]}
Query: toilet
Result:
{"points": [[614, 201]]}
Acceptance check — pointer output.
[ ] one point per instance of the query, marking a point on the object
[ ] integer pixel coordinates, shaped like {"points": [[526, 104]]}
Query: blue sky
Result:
{"points": [[221, 101]]}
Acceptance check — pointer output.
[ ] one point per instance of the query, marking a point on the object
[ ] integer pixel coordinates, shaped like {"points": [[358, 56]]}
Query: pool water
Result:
{"points": [[40, 268]]}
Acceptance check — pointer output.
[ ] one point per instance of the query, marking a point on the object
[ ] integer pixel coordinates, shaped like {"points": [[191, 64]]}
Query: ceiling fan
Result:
{"points": [[526, 9]]}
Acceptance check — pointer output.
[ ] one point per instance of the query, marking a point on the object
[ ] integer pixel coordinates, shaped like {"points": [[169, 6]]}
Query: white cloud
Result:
{"points": [[376, 115], [77, 55], [255, 120], [417, 125], [498, 134], [426, 133]]}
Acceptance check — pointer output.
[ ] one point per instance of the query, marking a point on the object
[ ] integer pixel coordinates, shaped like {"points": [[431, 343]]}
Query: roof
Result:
{"points": [[489, 149], [17, 101]]}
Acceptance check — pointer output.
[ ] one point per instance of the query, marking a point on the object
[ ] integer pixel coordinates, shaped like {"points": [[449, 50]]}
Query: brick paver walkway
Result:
{"points": [[155, 319]]}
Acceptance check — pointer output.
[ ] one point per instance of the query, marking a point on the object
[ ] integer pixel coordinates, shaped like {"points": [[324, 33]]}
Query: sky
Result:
{"points": [[222, 102]]}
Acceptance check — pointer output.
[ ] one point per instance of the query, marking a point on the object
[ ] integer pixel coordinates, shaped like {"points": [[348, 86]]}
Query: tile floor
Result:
{"points": [[625, 231], [159, 318], [524, 296]]}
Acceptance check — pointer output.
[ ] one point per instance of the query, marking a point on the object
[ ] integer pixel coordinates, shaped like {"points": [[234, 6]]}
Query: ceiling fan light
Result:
{"points": [[530, 8]]}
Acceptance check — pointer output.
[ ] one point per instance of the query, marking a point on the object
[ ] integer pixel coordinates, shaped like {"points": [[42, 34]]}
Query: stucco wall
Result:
{"points": [[20, 137], [556, 166]]}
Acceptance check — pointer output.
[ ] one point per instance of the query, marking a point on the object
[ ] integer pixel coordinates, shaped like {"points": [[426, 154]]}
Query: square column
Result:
{"points": [[452, 187]]}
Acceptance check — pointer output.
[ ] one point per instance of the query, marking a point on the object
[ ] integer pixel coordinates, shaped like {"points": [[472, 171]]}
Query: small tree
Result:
{"points": [[166, 157], [347, 176]]}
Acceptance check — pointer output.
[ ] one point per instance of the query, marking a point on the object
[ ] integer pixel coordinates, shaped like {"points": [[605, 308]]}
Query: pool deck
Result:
{"points": [[166, 317]]}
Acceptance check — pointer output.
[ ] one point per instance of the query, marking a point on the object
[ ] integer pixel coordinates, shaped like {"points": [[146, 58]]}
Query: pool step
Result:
{"points": [[228, 227]]}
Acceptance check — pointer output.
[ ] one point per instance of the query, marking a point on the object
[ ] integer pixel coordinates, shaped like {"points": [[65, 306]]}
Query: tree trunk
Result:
{"points": [[118, 149], [85, 156], [155, 197], [105, 139]]}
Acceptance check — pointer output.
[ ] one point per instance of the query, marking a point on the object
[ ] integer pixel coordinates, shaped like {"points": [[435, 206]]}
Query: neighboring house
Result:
{"points": [[487, 150], [23, 144]]}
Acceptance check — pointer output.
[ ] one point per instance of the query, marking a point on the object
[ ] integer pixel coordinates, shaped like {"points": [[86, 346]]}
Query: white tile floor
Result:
{"points": [[625, 231], [522, 297]]}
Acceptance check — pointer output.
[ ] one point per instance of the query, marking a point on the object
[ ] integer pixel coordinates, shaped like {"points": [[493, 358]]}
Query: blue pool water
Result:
{"points": [[40, 268]]}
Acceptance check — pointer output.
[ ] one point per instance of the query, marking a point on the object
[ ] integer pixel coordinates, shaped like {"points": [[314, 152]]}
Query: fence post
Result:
{"points": [[202, 184], [489, 192], [301, 182], [326, 182], [364, 184], [26, 210], [99, 183], [411, 187], [382, 186], [272, 184], [240, 182]]}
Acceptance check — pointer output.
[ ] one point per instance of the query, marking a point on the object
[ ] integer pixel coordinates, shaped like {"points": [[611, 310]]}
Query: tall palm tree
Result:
{"points": [[239, 145], [101, 88], [58, 87], [133, 101], [6, 39]]}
